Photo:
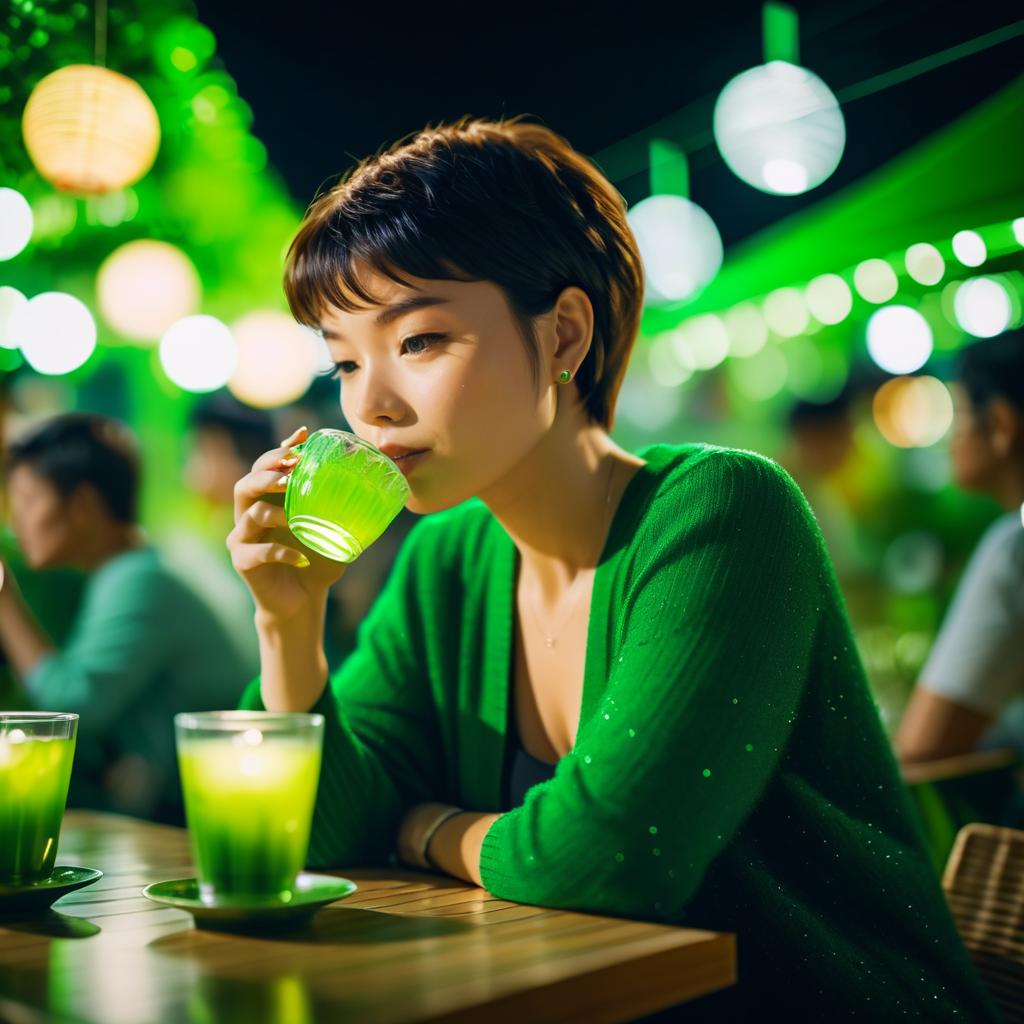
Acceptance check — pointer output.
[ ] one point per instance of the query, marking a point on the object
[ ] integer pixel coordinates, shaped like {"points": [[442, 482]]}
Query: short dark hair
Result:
{"points": [[84, 448], [505, 201], [994, 368], [250, 431]]}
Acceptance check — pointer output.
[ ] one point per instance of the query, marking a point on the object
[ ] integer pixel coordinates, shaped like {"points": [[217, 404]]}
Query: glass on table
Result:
{"points": [[249, 780], [37, 749], [343, 494]]}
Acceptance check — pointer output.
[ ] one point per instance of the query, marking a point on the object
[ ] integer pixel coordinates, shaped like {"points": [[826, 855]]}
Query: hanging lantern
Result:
{"points": [[90, 130], [277, 359], [779, 128]]}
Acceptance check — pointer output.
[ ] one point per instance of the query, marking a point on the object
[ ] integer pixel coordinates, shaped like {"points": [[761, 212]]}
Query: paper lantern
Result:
{"points": [[145, 286], [679, 244], [90, 130], [983, 307], [899, 339], [779, 128], [277, 359]]}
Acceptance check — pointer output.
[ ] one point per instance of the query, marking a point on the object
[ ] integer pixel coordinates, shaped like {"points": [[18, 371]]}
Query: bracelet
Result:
{"points": [[428, 834]]}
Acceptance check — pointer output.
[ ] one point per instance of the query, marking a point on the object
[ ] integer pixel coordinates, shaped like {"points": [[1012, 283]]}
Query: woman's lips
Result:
{"points": [[407, 463]]}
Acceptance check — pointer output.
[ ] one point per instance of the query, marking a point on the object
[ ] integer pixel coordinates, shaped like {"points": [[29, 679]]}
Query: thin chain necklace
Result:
{"points": [[549, 638]]}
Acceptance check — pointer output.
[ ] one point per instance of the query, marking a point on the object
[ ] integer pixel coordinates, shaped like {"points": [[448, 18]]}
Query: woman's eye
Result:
{"points": [[419, 343], [340, 369]]}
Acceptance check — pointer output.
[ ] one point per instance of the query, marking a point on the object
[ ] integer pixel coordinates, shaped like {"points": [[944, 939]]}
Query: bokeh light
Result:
{"points": [[899, 339], [679, 244], [1018, 230], [779, 128], [746, 329], [15, 223], [829, 299], [913, 412], [875, 281], [983, 307], [10, 301], [89, 129], [785, 312], [55, 332], [145, 286], [762, 376], [668, 362], [277, 359], [702, 342], [925, 263], [198, 353], [969, 248]]}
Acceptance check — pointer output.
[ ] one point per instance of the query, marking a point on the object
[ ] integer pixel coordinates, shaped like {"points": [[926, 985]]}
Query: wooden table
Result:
{"points": [[406, 947]]}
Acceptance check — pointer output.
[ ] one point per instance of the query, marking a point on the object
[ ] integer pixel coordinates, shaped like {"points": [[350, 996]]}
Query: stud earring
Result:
{"points": [[565, 376]]}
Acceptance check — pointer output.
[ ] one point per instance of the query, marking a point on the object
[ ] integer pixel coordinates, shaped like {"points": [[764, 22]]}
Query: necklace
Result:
{"points": [[549, 638]]}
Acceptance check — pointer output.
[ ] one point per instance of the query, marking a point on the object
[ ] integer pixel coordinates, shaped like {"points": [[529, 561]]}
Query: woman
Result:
{"points": [[976, 668], [622, 683]]}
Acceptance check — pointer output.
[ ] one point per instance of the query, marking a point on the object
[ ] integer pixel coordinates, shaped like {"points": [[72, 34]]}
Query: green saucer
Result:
{"points": [[37, 897], [311, 893]]}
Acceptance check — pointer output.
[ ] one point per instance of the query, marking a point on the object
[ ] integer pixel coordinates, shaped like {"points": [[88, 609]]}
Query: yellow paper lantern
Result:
{"points": [[90, 130], [277, 359]]}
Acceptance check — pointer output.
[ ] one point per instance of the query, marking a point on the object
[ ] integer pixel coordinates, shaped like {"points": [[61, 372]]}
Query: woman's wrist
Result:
{"points": [[293, 665], [418, 828]]}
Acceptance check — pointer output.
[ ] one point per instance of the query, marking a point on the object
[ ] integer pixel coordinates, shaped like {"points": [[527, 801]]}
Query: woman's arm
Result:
{"points": [[454, 847], [934, 727]]}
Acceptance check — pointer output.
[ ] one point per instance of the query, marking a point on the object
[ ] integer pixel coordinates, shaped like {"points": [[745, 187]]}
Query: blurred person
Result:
{"points": [[621, 683], [970, 688], [143, 647]]}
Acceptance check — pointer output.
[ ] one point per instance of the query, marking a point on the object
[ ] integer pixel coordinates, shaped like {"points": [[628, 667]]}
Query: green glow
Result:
{"points": [[781, 32], [762, 376], [1018, 230], [670, 172], [669, 361], [746, 329], [183, 59], [705, 340], [875, 280]]}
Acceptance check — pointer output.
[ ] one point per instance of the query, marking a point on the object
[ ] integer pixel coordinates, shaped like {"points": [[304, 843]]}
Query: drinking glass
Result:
{"points": [[343, 494], [37, 749], [249, 780]]}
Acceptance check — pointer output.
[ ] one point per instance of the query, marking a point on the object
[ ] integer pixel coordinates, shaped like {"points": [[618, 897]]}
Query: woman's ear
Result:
{"points": [[1005, 427], [573, 321]]}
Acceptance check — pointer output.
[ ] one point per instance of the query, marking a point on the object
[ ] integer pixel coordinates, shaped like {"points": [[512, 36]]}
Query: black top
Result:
{"points": [[523, 770]]}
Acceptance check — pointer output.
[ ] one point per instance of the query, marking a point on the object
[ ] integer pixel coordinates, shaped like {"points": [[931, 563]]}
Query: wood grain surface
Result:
{"points": [[407, 946]]}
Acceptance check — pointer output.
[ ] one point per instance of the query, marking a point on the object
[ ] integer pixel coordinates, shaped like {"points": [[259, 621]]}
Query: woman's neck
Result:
{"points": [[557, 504]]}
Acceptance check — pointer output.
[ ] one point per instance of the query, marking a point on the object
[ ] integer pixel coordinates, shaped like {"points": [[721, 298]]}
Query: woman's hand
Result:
{"points": [[284, 576]]}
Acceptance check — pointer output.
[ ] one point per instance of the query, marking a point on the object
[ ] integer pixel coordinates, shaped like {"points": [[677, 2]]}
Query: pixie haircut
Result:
{"points": [[504, 201], [84, 448]]}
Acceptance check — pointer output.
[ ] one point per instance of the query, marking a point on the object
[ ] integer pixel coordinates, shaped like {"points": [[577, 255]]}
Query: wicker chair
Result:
{"points": [[984, 884]]}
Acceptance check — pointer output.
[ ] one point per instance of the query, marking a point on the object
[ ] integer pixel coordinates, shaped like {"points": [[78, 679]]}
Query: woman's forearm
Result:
{"points": [[293, 666], [455, 846]]}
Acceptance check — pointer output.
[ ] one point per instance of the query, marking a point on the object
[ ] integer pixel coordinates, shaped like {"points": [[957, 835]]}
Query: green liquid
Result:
{"points": [[34, 777], [249, 807], [339, 502]]}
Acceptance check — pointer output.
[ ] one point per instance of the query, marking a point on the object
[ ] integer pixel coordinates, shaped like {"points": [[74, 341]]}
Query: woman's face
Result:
{"points": [[41, 519], [450, 376]]}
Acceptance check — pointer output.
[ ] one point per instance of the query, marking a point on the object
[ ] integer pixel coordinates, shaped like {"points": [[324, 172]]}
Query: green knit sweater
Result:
{"points": [[729, 772]]}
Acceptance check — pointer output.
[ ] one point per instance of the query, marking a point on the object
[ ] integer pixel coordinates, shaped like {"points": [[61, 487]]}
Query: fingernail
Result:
{"points": [[290, 461], [303, 562], [282, 481]]}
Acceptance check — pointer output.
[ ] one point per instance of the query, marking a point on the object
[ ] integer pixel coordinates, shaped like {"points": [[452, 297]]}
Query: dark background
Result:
{"points": [[332, 83]]}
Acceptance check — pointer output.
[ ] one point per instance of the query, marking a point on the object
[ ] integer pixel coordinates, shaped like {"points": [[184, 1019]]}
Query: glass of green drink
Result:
{"points": [[36, 752], [343, 494], [249, 779]]}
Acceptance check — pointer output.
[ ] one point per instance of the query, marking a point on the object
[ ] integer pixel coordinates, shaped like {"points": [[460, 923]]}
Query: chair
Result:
{"points": [[984, 885]]}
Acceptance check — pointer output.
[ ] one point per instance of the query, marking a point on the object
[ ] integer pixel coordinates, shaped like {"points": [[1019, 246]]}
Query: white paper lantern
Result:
{"points": [[15, 223], [679, 244], [779, 128], [90, 130], [55, 332], [277, 359], [899, 339], [11, 300], [983, 307], [145, 286], [199, 353]]}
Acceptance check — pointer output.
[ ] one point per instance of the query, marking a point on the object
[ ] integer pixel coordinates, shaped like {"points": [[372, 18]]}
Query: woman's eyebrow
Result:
{"points": [[393, 312]]}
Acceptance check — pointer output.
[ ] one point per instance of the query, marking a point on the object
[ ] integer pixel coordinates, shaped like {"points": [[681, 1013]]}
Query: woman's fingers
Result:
{"points": [[283, 456], [254, 485], [257, 519], [246, 557]]}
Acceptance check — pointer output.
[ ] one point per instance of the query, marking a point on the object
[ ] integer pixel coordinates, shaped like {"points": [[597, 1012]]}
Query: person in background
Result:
{"points": [[976, 667], [143, 647]]}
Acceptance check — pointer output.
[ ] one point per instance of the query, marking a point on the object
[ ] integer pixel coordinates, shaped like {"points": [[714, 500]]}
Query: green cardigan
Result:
{"points": [[729, 772]]}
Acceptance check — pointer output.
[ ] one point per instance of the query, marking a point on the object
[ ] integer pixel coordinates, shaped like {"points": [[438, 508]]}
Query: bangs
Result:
{"points": [[334, 254]]}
